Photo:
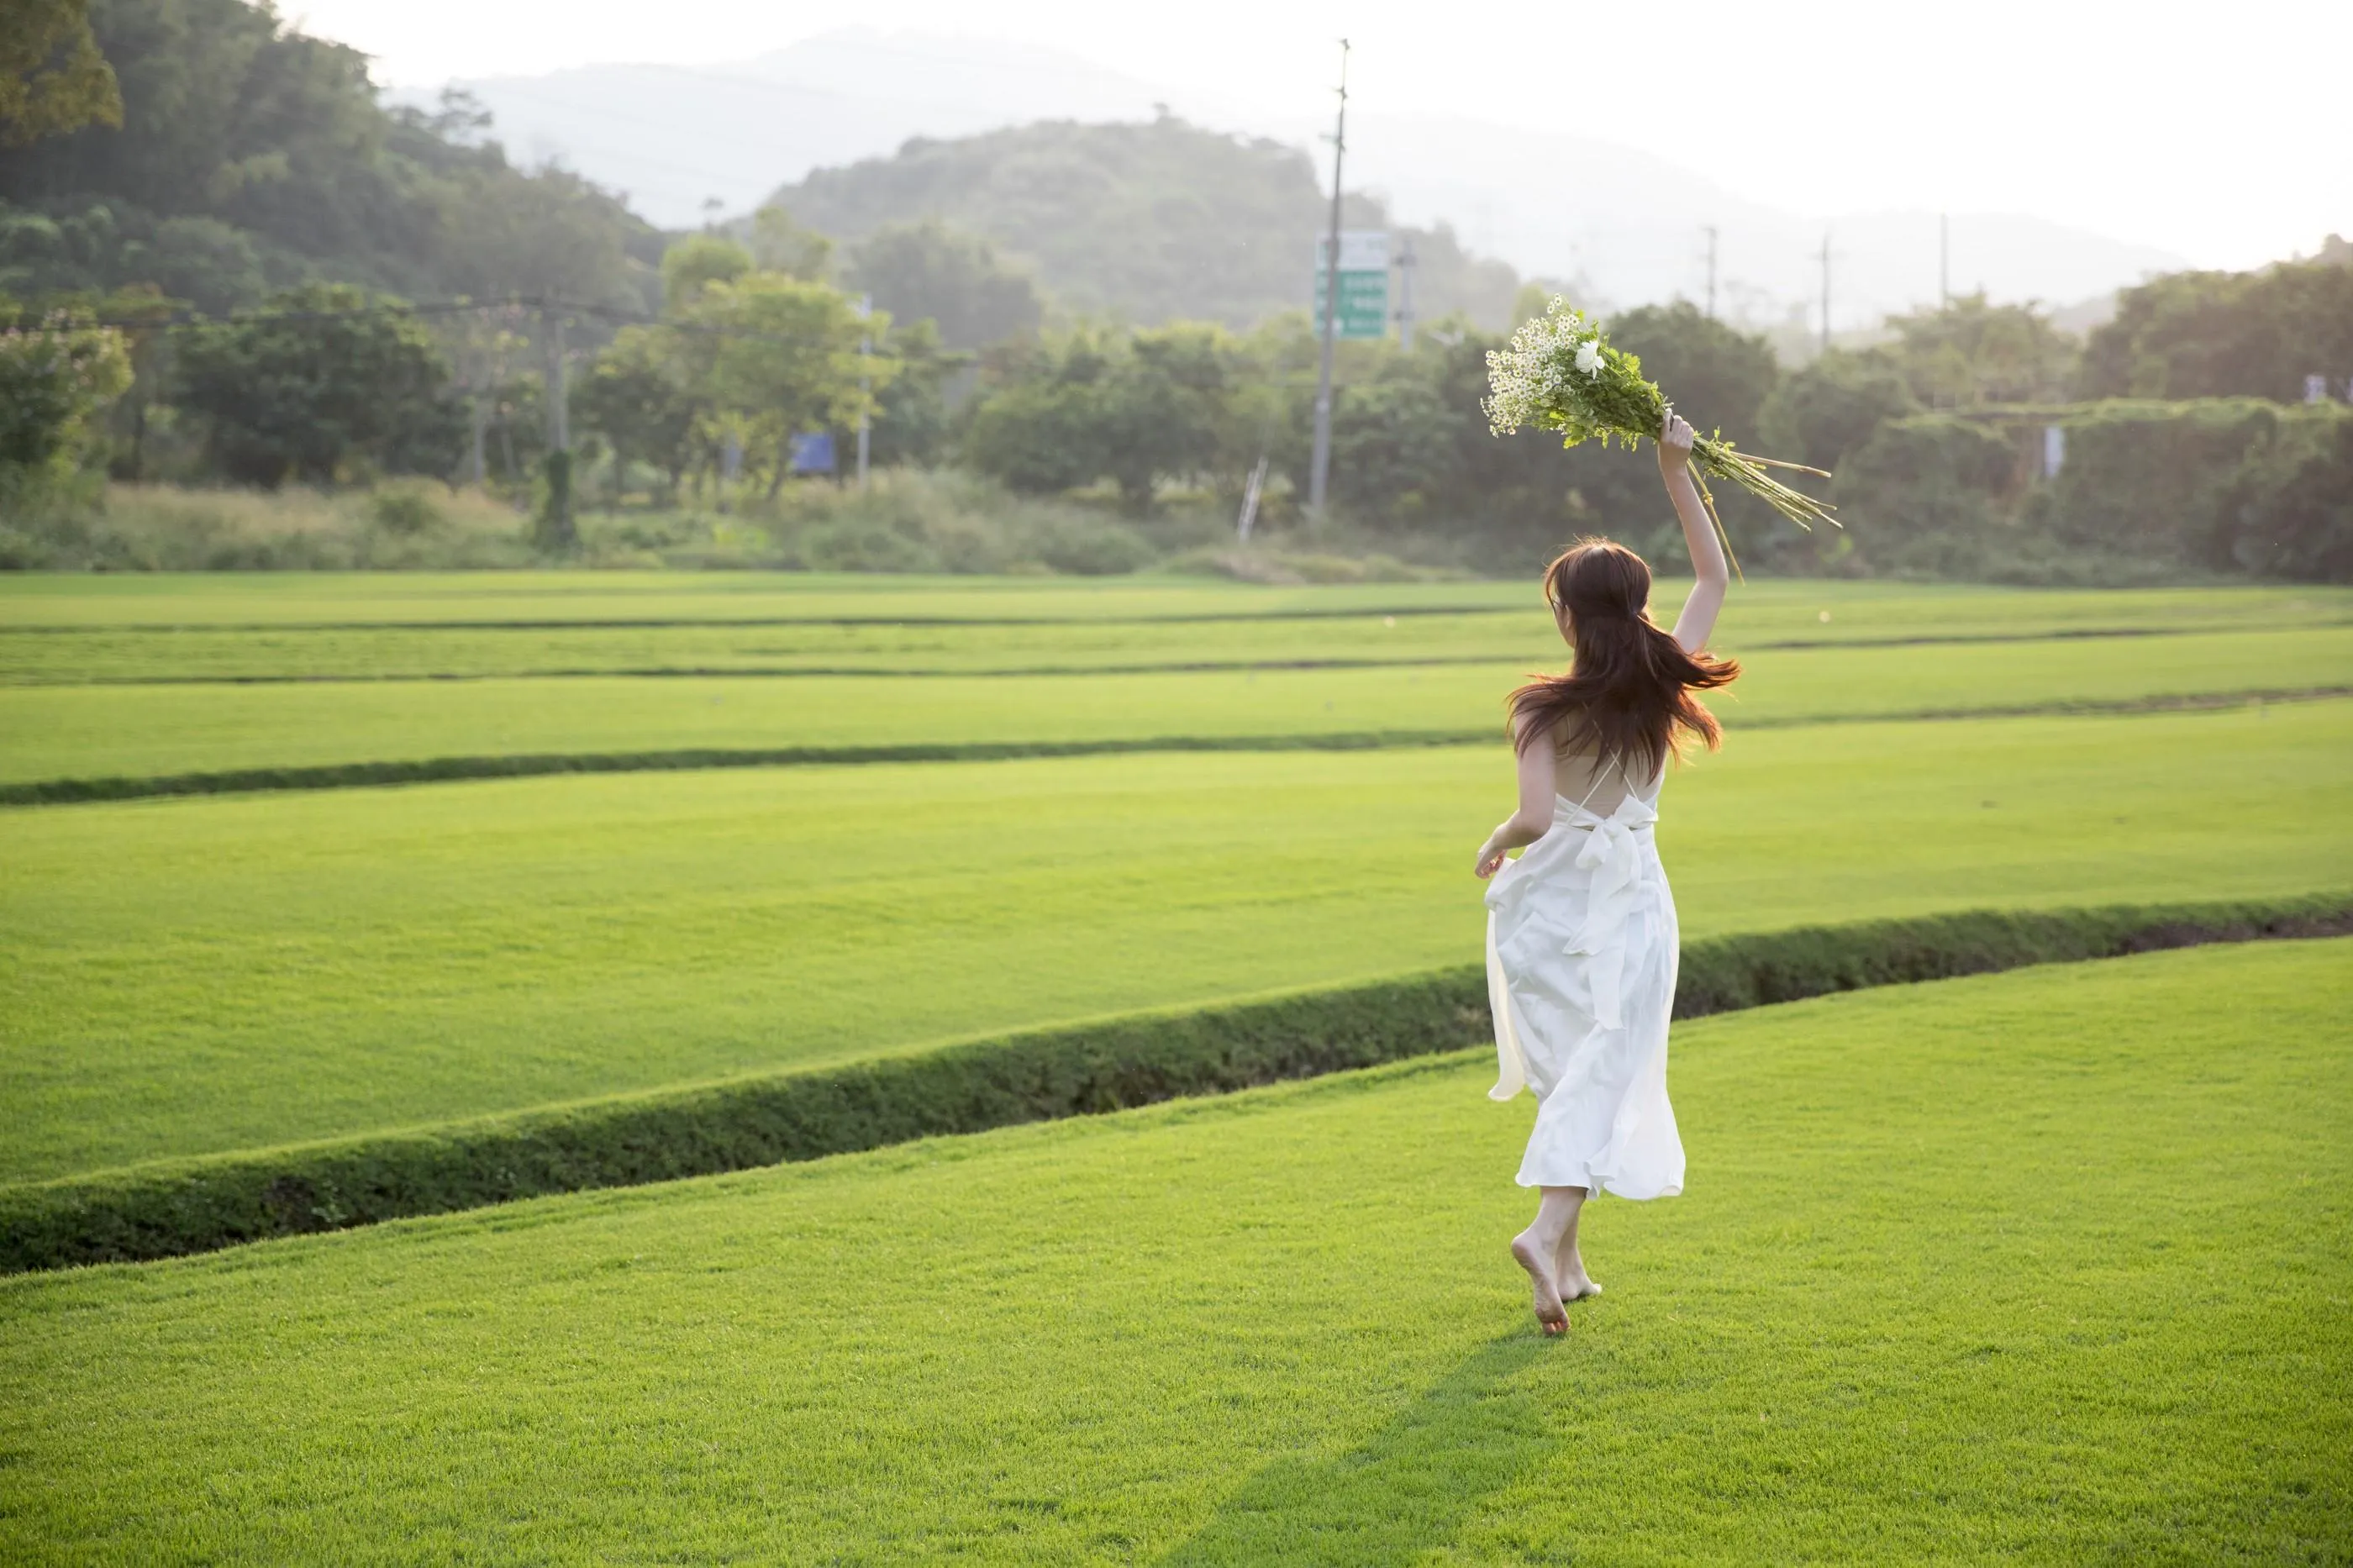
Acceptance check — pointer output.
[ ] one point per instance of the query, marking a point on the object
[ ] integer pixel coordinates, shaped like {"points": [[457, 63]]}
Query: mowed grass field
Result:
{"points": [[201, 975], [2047, 1267], [191, 976], [138, 731]]}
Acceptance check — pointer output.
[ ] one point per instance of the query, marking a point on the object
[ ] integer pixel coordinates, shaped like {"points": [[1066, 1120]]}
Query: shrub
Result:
{"points": [[2221, 484]]}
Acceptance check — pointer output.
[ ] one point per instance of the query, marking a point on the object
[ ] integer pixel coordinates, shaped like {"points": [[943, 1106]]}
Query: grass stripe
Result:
{"points": [[446, 770], [938, 672], [171, 1209], [1204, 617]]}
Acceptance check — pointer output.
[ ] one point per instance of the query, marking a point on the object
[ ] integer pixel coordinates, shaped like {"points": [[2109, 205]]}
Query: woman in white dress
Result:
{"points": [[1581, 938]]}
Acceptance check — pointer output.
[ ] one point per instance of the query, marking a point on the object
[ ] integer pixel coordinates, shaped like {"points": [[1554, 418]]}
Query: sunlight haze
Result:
{"points": [[2228, 145]]}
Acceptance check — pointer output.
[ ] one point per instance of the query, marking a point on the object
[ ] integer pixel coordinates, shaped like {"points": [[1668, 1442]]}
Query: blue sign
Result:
{"points": [[813, 452]]}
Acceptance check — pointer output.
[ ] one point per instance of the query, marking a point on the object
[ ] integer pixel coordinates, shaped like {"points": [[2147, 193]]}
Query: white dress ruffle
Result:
{"points": [[1581, 954]]}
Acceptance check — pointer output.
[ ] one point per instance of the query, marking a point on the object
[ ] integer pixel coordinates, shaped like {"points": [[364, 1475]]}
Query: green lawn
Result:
{"points": [[57, 732], [2047, 1267], [119, 628], [198, 975]]}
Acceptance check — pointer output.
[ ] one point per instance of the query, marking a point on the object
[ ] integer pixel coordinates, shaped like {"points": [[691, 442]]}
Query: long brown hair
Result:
{"points": [[1629, 690]]}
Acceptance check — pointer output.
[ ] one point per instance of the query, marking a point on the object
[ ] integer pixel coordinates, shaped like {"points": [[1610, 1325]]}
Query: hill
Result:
{"points": [[1627, 220], [1152, 221], [252, 156]]}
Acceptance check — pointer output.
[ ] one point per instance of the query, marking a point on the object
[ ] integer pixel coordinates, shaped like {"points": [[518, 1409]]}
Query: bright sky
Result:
{"points": [[2223, 132]]}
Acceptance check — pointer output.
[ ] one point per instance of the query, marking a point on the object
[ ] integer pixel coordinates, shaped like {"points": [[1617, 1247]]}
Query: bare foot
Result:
{"points": [[1530, 1256]]}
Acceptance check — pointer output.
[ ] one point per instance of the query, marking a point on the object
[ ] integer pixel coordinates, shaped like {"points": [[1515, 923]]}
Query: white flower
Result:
{"points": [[1588, 357]]}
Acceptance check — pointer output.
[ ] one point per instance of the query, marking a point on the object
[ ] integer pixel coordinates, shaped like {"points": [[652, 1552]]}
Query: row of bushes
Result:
{"points": [[444, 770], [2223, 486], [167, 1209]]}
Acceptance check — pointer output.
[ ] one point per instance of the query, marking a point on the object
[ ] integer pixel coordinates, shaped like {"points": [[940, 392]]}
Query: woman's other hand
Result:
{"points": [[1676, 438], [1490, 861]]}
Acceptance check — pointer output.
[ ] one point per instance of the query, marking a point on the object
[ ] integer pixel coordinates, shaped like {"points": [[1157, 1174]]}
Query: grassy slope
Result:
{"points": [[57, 732], [2046, 1266], [200, 975]]}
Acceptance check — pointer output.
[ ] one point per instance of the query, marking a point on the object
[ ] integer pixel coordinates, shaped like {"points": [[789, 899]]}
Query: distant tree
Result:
{"points": [[1818, 415], [1136, 409], [56, 373], [2224, 334], [53, 79], [1967, 353], [1716, 376], [911, 415], [636, 395], [929, 270], [779, 245], [777, 356], [1037, 435], [696, 262], [504, 233], [1398, 447], [334, 378]]}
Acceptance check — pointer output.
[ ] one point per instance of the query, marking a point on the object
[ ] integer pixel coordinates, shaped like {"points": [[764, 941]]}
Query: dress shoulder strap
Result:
{"points": [[1600, 774]]}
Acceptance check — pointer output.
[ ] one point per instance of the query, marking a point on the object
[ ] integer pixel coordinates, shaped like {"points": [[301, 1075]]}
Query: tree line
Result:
{"points": [[248, 173]]}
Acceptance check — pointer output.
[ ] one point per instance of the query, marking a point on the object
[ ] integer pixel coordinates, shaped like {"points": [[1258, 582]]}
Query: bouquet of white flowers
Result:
{"points": [[1560, 375]]}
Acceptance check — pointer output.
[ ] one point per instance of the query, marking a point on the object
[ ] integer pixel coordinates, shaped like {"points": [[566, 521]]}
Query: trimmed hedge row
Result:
{"points": [[444, 770], [166, 1209], [436, 770]]}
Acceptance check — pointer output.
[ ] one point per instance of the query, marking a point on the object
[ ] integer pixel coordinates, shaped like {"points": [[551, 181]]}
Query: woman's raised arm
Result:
{"points": [[1697, 621]]}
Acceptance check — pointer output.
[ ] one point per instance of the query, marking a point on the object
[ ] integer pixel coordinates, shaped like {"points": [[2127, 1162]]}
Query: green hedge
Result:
{"points": [[2222, 484], [439, 769], [165, 1209]]}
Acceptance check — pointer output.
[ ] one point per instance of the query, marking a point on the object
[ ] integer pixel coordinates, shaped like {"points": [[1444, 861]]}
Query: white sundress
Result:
{"points": [[1582, 948]]}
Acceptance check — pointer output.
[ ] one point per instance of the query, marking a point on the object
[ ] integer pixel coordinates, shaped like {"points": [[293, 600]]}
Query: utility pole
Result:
{"points": [[1319, 475], [559, 422], [1944, 259], [1405, 263], [1826, 290], [865, 381], [556, 532], [1711, 273]]}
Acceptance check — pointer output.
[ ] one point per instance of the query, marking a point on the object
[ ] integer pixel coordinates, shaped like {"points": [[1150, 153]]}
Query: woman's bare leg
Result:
{"points": [[1568, 1265], [1535, 1249]]}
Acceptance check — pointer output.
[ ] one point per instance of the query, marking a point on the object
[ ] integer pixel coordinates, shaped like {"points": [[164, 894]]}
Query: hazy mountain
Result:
{"points": [[1155, 221], [673, 137], [1628, 223]]}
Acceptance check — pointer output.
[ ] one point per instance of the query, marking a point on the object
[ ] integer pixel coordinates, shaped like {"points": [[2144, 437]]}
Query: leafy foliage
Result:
{"points": [[52, 78], [270, 142], [54, 375], [329, 377], [2227, 335], [1969, 353], [2231, 484], [1831, 407], [1168, 405], [929, 270]]}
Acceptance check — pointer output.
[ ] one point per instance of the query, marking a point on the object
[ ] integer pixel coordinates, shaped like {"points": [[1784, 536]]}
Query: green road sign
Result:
{"points": [[1363, 304], [1364, 310]]}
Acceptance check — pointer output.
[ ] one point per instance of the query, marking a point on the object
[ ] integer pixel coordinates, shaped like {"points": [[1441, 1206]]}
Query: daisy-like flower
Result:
{"points": [[1553, 375]]}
